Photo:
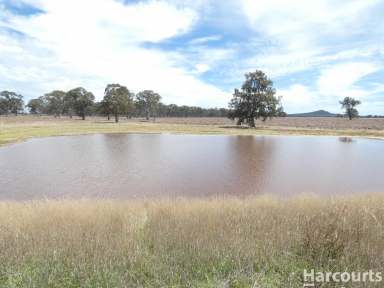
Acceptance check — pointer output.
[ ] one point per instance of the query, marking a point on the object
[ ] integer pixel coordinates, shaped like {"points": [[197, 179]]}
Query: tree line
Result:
{"points": [[256, 99], [118, 101]]}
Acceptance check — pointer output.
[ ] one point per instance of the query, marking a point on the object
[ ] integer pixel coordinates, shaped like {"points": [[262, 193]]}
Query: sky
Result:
{"points": [[195, 52]]}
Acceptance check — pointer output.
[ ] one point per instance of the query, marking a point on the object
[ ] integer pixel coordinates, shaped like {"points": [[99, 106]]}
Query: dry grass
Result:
{"points": [[256, 242], [331, 123], [13, 129]]}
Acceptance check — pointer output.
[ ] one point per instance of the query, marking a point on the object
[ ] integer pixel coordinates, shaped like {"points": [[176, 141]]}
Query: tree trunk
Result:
{"points": [[350, 115], [83, 116], [116, 118], [252, 122], [108, 117]]}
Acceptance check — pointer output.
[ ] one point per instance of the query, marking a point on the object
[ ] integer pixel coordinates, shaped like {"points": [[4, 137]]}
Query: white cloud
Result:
{"points": [[333, 84], [339, 80], [92, 21], [294, 21], [203, 40], [337, 39], [201, 68], [95, 42], [92, 43], [297, 98], [304, 34]]}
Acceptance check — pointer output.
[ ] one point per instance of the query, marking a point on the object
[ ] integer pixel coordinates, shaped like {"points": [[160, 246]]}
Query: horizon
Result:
{"points": [[192, 55]]}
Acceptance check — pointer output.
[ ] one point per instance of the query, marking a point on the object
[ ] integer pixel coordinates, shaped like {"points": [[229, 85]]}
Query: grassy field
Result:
{"points": [[253, 242], [256, 242], [13, 129], [330, 123]]}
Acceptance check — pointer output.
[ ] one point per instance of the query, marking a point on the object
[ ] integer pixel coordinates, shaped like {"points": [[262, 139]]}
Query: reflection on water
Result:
{"points": [[120, 165], [346, 139]]}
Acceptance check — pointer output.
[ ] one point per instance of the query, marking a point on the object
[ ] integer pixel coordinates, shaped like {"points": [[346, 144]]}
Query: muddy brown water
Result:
{"points": [[159, 165]]}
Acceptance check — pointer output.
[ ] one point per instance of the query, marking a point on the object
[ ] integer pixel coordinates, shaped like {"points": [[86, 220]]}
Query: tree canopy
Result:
{"points": [[60, 103], [117, 100], [256, 99], [54, 102], [36, 106], [148, 101], [79, 100], [349, 104], [11, 102]]}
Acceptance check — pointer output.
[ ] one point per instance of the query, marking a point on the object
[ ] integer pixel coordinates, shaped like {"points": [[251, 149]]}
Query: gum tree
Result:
{"points": [[349, 104], [54, 102], [79, 100], [255, 99], [11, 102], [148, 101], [117, 100], [36, 106]]}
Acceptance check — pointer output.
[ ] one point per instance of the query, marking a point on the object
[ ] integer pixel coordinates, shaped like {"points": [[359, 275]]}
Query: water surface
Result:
{"points": [[157, 165]]}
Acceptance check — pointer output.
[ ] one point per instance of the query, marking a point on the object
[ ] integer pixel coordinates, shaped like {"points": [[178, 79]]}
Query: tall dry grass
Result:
{"points": [[254, 242]]}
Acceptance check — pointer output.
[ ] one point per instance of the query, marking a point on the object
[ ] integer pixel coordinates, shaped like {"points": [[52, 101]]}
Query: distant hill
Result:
{"points": [[318, 113]]}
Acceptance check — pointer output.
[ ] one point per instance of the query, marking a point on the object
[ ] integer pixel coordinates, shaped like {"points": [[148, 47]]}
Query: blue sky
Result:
{"points": [[196, 52]]}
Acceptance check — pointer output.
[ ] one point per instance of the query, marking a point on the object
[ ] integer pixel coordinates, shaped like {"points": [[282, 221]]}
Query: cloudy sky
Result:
{"points": [[195, 52]]}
